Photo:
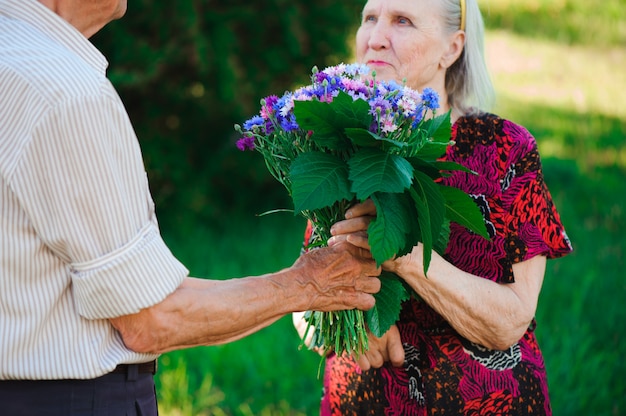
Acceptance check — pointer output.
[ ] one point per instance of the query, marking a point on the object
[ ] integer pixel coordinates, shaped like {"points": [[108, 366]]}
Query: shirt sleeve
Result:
{"points": [[533, 223], [83, 184]]}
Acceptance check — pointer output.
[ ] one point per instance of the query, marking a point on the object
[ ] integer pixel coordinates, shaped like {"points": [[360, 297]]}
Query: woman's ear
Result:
{"points": [[455, 48]]}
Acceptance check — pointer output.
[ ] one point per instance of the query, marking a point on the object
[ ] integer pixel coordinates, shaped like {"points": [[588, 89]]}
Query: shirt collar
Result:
{"points": [[52, 25]]}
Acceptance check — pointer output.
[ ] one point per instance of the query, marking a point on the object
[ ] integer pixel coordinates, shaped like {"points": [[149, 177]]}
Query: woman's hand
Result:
{"points": [[387, 348], [301, 325], [354, 228]]}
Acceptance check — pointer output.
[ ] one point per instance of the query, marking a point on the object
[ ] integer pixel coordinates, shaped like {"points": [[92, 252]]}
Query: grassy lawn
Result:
{"points": [[571, 98], [569, 92]]}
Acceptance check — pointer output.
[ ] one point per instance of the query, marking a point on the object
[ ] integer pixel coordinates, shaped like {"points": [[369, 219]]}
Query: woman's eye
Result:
{"points": [[369, 19], [404, 21]]}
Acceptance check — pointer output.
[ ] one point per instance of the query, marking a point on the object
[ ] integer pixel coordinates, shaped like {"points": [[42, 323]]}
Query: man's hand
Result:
{"points": [[386, 348], [341, 277]]}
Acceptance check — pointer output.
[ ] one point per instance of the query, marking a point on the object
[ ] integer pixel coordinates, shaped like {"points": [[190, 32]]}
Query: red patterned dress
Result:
{"points": [[445, 374]]}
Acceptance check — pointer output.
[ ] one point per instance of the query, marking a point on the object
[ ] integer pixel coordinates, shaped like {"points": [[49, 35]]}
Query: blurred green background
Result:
{"points": [[188, 70]]}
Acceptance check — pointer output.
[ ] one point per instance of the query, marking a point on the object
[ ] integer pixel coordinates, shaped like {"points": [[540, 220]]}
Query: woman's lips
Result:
{"points": [[377, 64]]}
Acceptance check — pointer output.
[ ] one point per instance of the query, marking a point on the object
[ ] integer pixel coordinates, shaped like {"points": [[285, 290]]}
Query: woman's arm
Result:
{"points": [[490, 314], [209, 312]]}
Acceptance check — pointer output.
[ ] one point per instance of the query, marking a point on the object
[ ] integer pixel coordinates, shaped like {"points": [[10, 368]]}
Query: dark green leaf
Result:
{"points": [[387, 232], [415, 142], [388, 304], [318, 180], [357, 111], [428, 167], [439, 128], [432, 150], [373, 171], [423, 218], [365, 138], [462, 209], [442, 242], [452, 166], [413, 232], [431, 212], [323, 121], [439, 131]]}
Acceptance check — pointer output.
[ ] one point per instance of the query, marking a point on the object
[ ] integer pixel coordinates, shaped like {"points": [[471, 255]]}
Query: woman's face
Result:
{"points": [[405, 40]]}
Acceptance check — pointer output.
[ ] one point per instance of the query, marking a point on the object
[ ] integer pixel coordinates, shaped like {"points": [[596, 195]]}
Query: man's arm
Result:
{"points": [[209, 312]]}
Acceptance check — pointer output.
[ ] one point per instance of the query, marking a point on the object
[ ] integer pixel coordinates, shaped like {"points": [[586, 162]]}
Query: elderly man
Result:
{"points": [[89, 292]]}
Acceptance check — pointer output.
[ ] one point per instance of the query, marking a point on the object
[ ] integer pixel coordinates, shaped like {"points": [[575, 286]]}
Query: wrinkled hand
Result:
{"points": [[387, 348], [339, 277], [354, 228]]}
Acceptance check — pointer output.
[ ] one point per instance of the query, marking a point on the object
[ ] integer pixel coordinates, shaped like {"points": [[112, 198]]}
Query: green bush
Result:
{"points": [[189, 70]]}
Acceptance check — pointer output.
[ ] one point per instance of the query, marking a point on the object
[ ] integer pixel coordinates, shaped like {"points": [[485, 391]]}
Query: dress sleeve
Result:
{"points": [[533, 225], [83, 184]]}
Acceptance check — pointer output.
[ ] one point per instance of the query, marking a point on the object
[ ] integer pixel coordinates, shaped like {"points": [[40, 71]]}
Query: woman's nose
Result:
{"points": [[379, 37]]}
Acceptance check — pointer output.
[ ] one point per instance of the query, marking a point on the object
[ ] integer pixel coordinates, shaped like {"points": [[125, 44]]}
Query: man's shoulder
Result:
{"points": [[39, 66], [37, 74]]}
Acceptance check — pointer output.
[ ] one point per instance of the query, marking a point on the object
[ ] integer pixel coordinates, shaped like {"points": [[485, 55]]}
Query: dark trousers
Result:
{"points": [[115, 394]]}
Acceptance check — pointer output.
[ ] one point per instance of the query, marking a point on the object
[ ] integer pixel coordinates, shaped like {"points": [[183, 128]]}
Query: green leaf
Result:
{"points": [[358, 111], [365, 138], [323, 121], [387, 232], [413, 231], [415, 142], [432, 150], [440, 128], [328, 121], [452, 166], [389, 300], [462, 209], [318, 180], [439, 131], [428, 167], [442, 242], [431, 212], [373, 171]]}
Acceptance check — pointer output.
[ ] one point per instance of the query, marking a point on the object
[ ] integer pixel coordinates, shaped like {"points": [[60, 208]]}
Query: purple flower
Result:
{"points": [[267, 106], [269, 127], [320, 77], [430, 98], [379, 104], [246, 143]]}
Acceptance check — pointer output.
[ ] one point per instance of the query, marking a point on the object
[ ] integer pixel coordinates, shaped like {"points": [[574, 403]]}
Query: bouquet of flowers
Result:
{"points": [[348, 137]]}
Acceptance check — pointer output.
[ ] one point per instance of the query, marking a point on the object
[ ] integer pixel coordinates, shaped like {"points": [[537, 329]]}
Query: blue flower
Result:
{"points": [[418, 117], [288, 123], [392, 85], [430, 98], [357, 69], [253, 122]]}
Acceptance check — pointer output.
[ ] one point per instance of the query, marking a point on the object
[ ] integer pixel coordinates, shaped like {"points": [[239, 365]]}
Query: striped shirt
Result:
{"points": [[79, 240]]}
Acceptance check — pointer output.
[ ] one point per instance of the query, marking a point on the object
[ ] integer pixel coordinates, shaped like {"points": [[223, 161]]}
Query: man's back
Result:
{"points": [[77, 229]]}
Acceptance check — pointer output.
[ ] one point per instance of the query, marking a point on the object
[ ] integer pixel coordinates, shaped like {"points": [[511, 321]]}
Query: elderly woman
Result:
{"points": [[467, 346]]}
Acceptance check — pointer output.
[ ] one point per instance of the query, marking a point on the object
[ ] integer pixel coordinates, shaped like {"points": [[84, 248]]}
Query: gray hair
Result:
{"points": [[468, 83]]}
